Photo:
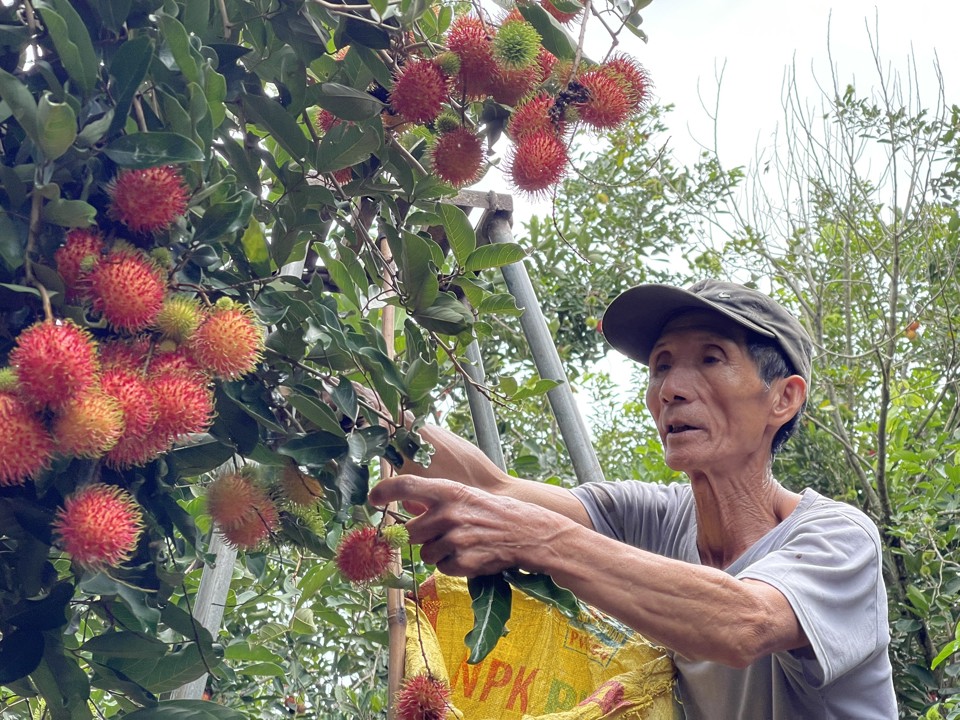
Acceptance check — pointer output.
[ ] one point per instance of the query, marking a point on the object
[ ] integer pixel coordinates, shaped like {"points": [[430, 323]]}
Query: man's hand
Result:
{"points": [[465, 531]]}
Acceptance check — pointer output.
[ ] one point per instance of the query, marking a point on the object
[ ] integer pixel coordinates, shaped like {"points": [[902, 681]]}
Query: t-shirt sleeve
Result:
{"points": [[829, 569]]}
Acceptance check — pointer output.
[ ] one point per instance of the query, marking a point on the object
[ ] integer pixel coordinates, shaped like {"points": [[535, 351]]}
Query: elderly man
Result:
{"points": [[771, 601]]}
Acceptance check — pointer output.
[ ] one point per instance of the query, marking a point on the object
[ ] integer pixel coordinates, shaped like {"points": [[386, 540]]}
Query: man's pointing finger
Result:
{"points": [[410, 489]]}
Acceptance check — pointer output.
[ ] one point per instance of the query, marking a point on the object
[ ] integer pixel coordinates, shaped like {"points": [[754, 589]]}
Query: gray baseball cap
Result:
{"points": [[634, 320]]}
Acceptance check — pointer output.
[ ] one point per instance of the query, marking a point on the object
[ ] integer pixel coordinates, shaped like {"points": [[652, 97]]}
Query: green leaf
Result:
{"points": [[264, 669], [57, 124], [127, 70], [540, 387], [302, 622], [345, 398], [447, 315], [544, 589], [500, 304], [553, 36], [168, 672], [949, 649], [460, 233], [20, 654], [124, 644], [223, 219], [186, 710], [421, 378], [113, 12], [244, 651], [69, 213], [362, 33], [21, 102], [149, 149], [200, 458], [273, 117], [353, 482], [175, 35], [316, 448], [48, 613], [314, 579], [316, 411], [418, 273], [491, 600], [348, 103], [72, 41], [494, 256], [345, 146]]}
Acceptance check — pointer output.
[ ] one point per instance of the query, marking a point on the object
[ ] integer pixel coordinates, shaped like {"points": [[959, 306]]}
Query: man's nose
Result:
{"points": [[675, 385]]}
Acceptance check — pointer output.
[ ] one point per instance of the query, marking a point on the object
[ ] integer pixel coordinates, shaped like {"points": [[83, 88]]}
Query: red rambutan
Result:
{"points": [[229, 341], [457, 157], [232, 499], [633, 78], [510, 86], [532, 117], [81, 250], [469, 38], [88, 425], [546, 61], [127, 353], [54, 361], [608, 105], [538, 161], [561, 16], [326, 120], [298, 488], [422, 697], [148, 200], [419, 91], [137, 450], [128, 289], [251, 533], [129, 389], [99, 525], [363, 555], [184, 403], [25, 445]]}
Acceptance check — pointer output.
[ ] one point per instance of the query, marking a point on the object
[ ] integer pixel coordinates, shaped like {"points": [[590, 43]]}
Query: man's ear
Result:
{"points": [[792, 393]]}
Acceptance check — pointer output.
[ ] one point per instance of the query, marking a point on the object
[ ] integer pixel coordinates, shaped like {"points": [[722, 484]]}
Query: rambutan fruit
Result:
{"points": [[509, 86], [561, 16], [532, 117], [129, 389], [176, 359], [99, 526], [232, 498], [128, 353], [81, 250], [343, 175], [128, 289], [54, 361], [469, 38], [183, 401], [250, 534], [516, 44], [396, 535], [178, 318], [608, 105], [8, 380], [546, 61], [419, 91], [149, 199], [229, 342], [457, 157], [325, 121], [538, 161], [298, 488], [88, 425], [137, 450], [26, 447], [422, 697], [448, 62], [363, 555], [633, 78]]}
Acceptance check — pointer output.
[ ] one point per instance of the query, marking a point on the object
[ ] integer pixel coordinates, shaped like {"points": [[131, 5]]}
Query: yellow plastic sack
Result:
{"points": [[548, 667]]}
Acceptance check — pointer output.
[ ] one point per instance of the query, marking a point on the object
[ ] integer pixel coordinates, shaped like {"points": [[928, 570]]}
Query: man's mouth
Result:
{"points": [[675, 429]]}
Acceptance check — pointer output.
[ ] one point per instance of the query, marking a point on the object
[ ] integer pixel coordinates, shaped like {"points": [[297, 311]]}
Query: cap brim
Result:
{"points": [[634, 320]]}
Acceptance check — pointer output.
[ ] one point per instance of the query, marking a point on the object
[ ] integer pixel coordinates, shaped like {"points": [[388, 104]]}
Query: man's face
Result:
{"points": [[711, 408]]}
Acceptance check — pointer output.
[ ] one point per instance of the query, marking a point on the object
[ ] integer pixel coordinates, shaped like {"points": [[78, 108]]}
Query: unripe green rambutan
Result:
{"points": [[99, 525], [8, 380], [88, 425], [162, 257], [179, 317], [449, 63], [516, 45], [396, 535], [448, 121]]}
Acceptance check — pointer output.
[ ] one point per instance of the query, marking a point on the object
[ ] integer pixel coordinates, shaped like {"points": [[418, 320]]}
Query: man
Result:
{"points": [[771, 602]]}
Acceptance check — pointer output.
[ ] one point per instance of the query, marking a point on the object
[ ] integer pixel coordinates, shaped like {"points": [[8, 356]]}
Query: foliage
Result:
{"points": [[332, 236]]}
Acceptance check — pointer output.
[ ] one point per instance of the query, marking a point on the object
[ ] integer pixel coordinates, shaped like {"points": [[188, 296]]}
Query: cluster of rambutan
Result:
{"points": [[508, 63]]}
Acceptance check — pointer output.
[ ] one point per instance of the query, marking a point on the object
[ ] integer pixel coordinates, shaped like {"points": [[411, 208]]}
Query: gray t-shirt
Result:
{"points": [[825, 558]]}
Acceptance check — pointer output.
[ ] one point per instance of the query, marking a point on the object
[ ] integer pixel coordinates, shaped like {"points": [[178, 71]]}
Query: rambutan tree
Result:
{"points": [[214, 218]]}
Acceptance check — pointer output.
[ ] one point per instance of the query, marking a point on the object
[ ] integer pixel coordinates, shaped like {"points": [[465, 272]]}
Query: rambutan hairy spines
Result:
{"points": [[470, 39], [419, 91], [232, 498], [363, 555], [99, 526], [179, 317], [422, 697], [299, 488], [326, 120], [509, 87], [88, 425], [183, 401], [130, 390], [457, 157], [633, 78], [532, 117], [26, 448], [54, 361], [148, 200], [229, 342], [81, 250], [608, 106], [252, 533], [128, 289], [537, 162], [516, 44], [561, 16]]}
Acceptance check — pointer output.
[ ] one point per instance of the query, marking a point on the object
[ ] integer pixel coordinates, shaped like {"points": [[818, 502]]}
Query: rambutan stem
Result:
{"points": [[227, 25], [33, 233], [138, 111], [578, 55], [396, 145]]}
